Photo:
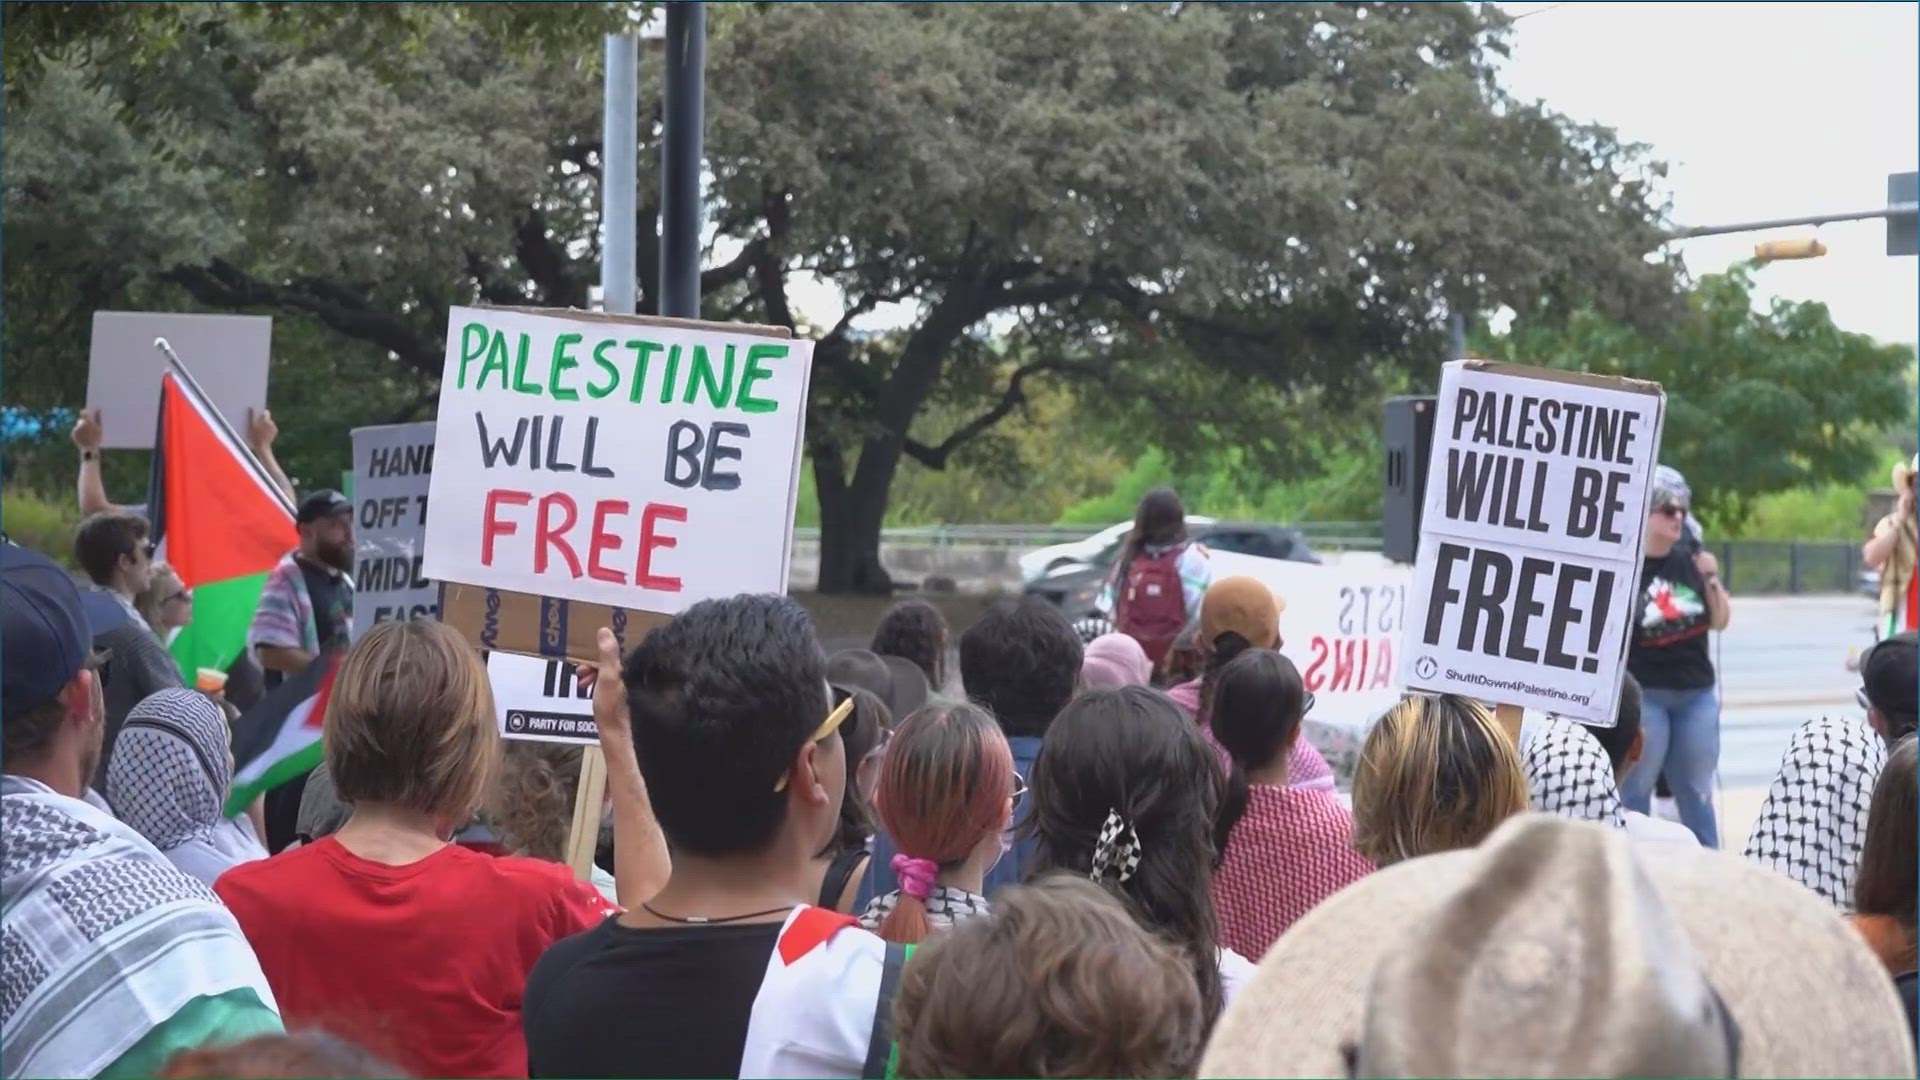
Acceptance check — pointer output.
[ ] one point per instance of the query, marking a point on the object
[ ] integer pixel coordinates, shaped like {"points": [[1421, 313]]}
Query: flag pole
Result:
{"points": [[246, 450]]}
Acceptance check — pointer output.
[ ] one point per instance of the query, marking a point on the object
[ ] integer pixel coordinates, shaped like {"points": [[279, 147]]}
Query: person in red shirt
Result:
{"points": [[1284, 848], [386, 934]]}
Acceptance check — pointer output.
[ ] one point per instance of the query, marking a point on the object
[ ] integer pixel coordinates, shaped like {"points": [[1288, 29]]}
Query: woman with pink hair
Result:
{"points": [[947, 791]]}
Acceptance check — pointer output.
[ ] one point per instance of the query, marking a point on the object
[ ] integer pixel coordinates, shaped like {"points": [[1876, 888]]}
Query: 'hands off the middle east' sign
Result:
{"points": [[634, 463]]}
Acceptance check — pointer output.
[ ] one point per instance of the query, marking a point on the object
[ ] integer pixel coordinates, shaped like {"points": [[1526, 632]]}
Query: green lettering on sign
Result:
{"points": [[755, 372], [562, 362]]}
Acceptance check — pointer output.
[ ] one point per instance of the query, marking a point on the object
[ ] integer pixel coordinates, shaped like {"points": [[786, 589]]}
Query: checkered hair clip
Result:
{"points": [[1117, 851]]}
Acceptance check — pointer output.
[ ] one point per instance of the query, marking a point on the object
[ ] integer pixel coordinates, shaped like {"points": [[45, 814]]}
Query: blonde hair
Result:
{"points": [[164, 583], [410, 721], [1437, 774], [532, 807]]}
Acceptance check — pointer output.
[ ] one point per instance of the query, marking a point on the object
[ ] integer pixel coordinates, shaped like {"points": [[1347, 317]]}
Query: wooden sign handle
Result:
{"points": [[585, 834], [1509, 718]]}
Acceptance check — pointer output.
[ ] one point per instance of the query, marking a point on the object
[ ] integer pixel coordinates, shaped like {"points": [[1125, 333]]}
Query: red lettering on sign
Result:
{"points": [[490, 524], [603, 541], [643, 574], [546, 533]]}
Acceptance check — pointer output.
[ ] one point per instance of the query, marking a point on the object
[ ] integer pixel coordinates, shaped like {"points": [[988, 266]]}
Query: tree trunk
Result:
{"points": [[850, 522]]}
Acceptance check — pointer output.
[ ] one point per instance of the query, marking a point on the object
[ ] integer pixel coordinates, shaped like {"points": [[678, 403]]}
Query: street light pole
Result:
{"points": [[619, 174], [681, 153]]}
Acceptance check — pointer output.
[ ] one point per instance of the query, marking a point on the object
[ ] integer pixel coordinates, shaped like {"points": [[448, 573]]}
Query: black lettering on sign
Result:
{"points": [[1496, 606]]}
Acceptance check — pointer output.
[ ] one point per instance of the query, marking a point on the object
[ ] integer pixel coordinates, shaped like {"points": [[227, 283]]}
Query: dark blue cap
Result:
{"points": [[45, 637]]}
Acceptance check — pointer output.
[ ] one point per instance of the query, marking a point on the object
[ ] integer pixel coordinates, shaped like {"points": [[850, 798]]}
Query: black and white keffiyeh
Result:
{"points": [[1569, 774], [1815, 818], [103, 939], [168, 779], [945, 906]]}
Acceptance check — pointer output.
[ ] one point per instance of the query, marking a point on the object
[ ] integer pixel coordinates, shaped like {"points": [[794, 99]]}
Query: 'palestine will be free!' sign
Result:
{"points": [[1531, 535], [637, 463]]}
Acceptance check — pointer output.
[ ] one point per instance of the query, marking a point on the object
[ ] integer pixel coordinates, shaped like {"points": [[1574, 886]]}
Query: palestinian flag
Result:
{"points": [[279, 739], [223, 521]]}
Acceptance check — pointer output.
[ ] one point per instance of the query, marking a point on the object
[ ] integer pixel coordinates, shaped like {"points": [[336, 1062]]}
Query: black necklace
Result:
{"points": [[702, 920]]}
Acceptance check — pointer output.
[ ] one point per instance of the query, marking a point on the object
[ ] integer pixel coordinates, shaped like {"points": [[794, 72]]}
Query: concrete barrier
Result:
{"points": [[976, 569]]}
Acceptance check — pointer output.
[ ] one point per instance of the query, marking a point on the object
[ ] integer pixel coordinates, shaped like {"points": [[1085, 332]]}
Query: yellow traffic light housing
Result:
{"points": [[1776, 250]]}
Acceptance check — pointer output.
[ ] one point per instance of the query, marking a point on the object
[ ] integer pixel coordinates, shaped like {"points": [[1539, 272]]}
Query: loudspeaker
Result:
{"points": [[1408, 435]]}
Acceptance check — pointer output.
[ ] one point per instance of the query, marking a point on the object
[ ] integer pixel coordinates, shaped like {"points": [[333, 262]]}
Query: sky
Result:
{"points": [[1761, 111]]}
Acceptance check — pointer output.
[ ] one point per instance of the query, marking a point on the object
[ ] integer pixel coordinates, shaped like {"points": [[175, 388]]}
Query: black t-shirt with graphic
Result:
{"points": [[1670, 624]]}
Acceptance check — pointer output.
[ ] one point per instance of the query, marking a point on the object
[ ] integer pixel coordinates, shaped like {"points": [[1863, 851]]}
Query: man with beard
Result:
{"points": [[306, 610], [115, 960]]}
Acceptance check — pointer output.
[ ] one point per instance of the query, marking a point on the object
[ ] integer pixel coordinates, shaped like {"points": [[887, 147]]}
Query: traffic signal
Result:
{"points": [[1776, 250]]}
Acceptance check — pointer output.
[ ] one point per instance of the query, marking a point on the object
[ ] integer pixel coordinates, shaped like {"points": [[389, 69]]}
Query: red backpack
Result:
{"points": [[1152, 605]]}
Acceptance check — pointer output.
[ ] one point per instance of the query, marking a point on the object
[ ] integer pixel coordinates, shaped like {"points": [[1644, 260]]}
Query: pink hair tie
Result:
{"points": [[917, 876]]}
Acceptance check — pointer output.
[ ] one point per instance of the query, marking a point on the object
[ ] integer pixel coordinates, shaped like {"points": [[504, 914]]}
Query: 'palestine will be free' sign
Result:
{"points": [[1531, 535]]}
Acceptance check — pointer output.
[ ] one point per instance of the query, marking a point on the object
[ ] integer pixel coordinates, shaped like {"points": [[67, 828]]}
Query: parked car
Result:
{"points": [[1099, 547], [1075, 585]]}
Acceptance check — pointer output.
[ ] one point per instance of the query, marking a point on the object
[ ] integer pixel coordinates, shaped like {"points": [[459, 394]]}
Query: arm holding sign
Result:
{"points": [[87, 434], [1719, 607], [261, 431], [640, 861]]}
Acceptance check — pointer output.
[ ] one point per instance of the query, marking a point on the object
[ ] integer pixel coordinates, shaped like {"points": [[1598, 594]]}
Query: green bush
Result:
{"points": [[44, 524]]}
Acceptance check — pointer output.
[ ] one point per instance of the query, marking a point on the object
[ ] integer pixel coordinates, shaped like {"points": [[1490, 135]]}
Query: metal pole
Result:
{"points": [[1784, 223], [1457, 334], [619, 173], [682, 150]]}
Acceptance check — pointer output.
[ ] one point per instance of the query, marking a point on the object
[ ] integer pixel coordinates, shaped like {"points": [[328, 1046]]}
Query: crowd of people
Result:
{"points": [[1072, 858]]}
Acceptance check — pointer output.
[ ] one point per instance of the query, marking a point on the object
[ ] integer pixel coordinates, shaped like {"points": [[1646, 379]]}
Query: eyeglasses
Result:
{"points": [[1671, 511], [148, 549], [1860, 695], [180, 595], [831, 724], [1019, 790]]}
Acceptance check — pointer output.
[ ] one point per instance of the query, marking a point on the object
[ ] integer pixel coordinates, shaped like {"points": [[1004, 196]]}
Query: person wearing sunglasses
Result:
{"points": [[166, 606], [729, 969], [1680, 599], [947, 793], [1284, 848], [116, 551]]}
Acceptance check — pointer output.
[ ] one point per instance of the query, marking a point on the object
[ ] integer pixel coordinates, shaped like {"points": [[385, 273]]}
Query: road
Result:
{"points": [[1782, 661]]}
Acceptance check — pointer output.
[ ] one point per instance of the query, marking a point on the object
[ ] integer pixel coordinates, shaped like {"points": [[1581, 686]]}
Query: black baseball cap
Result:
{"points": [[1890, 676], [322, 504], [45, 637]]}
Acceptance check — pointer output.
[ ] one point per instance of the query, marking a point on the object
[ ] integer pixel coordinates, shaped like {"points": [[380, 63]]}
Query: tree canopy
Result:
{"points": [[1219, 220], [1757, 401]]}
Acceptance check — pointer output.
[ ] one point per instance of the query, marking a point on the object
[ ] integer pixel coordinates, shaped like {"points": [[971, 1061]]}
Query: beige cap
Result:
{"points": [[1556, 948], [1244, 606]]}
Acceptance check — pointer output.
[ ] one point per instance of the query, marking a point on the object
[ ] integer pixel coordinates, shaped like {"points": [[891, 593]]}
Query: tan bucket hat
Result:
{"points": [[1556, 948]]}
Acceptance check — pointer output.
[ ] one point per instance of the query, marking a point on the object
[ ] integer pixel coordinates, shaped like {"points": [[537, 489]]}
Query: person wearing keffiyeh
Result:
{"points": [[169, 782], [1815, 818], [113, 960], [1569, 774]]}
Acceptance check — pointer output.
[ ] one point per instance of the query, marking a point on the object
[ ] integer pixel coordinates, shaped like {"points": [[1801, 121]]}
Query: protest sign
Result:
{"points": [[391, 465], [539, 700], [627, 463], [1530, 538], [228, 356]]}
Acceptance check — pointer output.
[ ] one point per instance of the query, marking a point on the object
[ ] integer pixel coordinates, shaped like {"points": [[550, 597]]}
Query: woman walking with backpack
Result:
{"points": [[1159, 578]]}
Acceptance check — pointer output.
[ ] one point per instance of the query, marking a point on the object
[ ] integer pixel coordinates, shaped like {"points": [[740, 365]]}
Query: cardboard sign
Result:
{"points": [[391, 465], [618, 461], [1530, 538], [538, 700], [228, 356]]}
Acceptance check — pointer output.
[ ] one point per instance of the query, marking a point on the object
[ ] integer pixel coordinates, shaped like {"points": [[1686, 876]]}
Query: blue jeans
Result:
{"points": [[1682, 732]]}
